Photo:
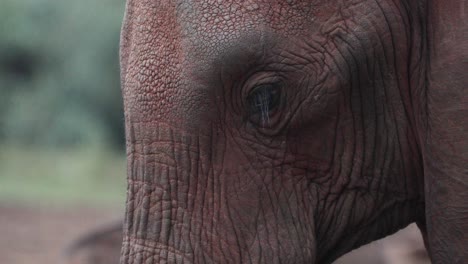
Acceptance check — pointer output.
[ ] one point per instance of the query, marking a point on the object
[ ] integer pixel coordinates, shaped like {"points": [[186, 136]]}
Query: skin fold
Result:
{"points": [[293, 131]]}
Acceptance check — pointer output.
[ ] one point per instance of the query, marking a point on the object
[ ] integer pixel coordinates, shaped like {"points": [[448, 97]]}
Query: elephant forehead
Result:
{"points": [[211, 23], [168, 46]]}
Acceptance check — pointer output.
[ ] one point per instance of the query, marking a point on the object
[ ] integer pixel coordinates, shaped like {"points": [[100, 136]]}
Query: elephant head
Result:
{"points": [[293, 131]]}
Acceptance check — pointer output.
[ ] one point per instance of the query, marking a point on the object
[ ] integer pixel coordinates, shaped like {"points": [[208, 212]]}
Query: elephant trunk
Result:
{"points": [[172, 200], [189, 201]]}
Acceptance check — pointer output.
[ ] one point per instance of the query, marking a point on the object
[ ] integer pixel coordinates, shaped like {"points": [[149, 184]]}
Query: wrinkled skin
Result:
{"points": [[363, 129]]}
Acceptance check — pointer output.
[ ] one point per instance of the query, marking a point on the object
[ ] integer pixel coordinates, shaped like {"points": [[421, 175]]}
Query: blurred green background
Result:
{"points": [[61, 119]]}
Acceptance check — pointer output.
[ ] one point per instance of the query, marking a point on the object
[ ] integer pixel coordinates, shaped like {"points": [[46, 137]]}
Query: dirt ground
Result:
{"points": [[41, 234]]}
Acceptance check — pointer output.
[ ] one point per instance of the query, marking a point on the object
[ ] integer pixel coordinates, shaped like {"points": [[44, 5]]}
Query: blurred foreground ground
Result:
{"points": [[39, 235]]}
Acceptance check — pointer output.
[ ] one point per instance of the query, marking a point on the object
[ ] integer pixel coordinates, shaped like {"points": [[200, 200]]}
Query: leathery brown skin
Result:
{"points": [[348, 153]]}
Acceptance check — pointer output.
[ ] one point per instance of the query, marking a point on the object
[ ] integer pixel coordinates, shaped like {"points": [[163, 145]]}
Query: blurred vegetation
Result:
{"points": [[59, 73], [61, 117], [61, 177]]}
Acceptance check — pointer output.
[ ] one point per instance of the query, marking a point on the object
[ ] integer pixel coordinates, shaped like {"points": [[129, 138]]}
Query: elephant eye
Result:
{"points": [[263, 100]]}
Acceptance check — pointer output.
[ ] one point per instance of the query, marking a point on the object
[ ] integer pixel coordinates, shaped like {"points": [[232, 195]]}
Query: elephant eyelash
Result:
{"points": [[263, 100]]}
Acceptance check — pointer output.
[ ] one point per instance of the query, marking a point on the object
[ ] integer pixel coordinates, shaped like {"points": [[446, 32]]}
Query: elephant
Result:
{"points": [[268, 131]]}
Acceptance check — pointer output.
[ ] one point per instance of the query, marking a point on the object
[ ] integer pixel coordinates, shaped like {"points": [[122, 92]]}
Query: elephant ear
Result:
{"points": [[444, 132]]}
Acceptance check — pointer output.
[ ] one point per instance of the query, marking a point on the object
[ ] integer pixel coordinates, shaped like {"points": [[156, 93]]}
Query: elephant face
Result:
{"points": [[270, 131]]}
